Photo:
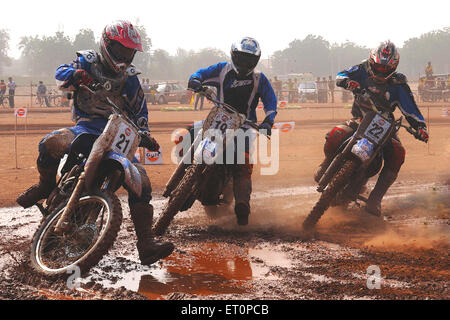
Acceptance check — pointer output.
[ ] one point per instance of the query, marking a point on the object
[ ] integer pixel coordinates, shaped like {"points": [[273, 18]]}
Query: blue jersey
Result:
{"points": [[243, 93], [136, 105], [400, 94]]}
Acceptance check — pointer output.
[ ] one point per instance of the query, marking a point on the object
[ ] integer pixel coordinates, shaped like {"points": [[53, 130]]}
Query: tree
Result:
{"points": [[161, 65], [85, 40], [183, 64], [4, 46], [44, 55], [433, 46], [346, 55], [142, 59], [308, 55]]}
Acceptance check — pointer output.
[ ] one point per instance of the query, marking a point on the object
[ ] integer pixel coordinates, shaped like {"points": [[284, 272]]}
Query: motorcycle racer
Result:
{"points": [[377, 74], [239, 85], [112, 69]]}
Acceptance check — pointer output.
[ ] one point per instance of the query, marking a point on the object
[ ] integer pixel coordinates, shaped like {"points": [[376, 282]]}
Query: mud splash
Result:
{"points": [[268, 259]]}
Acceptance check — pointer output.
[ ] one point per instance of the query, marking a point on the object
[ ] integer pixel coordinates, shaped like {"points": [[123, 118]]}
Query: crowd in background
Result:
{"points": [[431, 87], [11, 86]]}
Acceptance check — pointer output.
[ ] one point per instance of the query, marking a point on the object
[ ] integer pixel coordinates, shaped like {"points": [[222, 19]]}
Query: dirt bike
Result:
{"points": [[220, 196], [357, 159], [204, 179], [82, 215]]}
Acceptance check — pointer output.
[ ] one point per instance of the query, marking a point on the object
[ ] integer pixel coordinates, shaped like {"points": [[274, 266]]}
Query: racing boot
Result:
{"points": [[385, 180], [149, 250], [242, 211], [242, 187], [41, 190]]}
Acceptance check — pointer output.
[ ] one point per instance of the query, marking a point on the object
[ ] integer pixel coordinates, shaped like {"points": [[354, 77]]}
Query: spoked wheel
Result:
{"points": [[94, 225], [178, 198], [337, 183]]}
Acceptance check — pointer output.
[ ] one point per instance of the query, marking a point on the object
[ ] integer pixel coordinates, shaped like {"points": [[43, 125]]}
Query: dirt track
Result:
{"points": [[270, 258]]}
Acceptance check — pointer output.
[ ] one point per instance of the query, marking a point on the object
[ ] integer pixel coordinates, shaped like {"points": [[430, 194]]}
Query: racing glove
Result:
{"points": [[147, 141], [81, 76], [266, 125], [195, 84], [422, 134], [352, 85]]}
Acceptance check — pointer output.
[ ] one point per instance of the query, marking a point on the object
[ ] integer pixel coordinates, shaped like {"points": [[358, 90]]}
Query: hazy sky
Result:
{"points": [[186, 24]]}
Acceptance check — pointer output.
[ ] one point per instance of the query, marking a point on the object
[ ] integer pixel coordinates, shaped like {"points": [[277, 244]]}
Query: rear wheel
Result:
{"points": [[178, 198], [337, 184], [95, 223]]}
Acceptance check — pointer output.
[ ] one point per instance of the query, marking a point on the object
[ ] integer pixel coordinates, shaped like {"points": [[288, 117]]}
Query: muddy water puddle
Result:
{"points": [[203, 270]]}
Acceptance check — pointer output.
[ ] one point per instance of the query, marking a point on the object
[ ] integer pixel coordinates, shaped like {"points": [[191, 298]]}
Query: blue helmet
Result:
{"points": [[245, 55]]}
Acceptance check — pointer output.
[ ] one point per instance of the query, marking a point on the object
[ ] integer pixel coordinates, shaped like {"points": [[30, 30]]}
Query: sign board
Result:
{"points": [[284, 126], [282, 104], [153, 157], [20, 112]]}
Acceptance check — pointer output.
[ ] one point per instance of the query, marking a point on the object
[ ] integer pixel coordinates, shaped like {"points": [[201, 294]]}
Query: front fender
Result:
{"points": [[132, 177]]}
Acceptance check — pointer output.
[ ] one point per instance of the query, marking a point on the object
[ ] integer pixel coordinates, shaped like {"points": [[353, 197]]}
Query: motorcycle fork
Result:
{"points": [[63, 224], [335, 165]]}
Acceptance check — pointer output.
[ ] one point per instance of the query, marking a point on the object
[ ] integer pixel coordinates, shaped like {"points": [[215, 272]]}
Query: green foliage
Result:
{"points": [[42, 55], [314, 54], [4, 46], [163, 66], [433, 46], [142, 59]]}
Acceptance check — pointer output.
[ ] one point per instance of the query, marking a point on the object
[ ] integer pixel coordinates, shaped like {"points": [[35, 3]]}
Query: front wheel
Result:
{"points": [[95, 222], [337, 184], [179, 196]]}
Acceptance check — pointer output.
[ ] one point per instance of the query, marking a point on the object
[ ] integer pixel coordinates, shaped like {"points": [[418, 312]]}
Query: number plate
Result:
{"points": [[363, 149], [223, 122], [377, 129], [123, 140]]}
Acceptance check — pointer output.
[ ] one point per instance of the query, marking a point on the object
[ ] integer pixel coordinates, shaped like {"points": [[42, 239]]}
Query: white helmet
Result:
{"points": [[245, 55]]}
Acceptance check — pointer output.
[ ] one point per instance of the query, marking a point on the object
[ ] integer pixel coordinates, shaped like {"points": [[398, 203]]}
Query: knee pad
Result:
{"points": [[53, 147]]}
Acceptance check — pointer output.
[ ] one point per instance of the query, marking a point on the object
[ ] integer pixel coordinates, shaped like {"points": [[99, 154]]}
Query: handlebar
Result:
{"points": [[368, 94], [209, 96]]}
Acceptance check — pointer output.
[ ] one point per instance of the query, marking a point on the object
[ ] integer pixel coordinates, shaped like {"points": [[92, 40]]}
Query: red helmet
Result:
{"points": [[119, 42], [384, 59]]}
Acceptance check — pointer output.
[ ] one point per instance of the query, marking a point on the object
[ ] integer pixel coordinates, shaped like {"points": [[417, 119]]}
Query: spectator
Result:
{"points": [[153, 91], [325, 90], [295, 90], [290, 85], [42, 93], [2, 91], [12, 90], [277, 86], [322, 88], [331, 88], [318, 85], [429, 70], [146, 88], [197, 98]]}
